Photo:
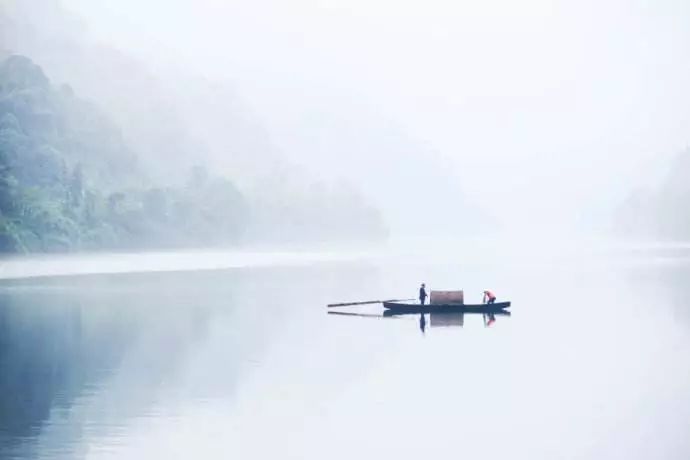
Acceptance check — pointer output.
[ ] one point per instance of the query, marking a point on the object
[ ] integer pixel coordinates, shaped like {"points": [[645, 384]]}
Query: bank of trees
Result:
{"points": [[69, 181]]}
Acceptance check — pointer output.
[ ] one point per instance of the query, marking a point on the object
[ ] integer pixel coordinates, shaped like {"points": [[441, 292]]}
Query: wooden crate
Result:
{"points": [[447, 297]]}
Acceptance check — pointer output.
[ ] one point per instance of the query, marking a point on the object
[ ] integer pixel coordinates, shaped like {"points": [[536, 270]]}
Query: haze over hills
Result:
{"points": [[163, 142], [178, 113], [69, 180], [72, 182], [659, 210], [443, 127]]}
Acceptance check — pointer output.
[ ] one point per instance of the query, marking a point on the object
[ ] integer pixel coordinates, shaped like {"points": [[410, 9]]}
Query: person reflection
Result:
{"points": [[422, 322], [489, 319]]}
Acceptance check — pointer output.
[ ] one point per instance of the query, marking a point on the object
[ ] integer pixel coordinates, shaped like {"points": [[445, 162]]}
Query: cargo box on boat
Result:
{"points": [[447, 297]]}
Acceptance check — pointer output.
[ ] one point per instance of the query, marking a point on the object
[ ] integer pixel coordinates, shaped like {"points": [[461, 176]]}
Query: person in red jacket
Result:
{"points": [[489, 297]]}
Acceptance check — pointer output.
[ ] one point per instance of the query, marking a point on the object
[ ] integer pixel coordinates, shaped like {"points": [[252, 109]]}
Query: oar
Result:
{"points": [[366, 302], [347, 313], [361, 315]]}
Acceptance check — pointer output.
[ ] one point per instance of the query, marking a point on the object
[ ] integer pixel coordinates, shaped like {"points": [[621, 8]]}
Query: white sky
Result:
{"points": [[560, 105]]}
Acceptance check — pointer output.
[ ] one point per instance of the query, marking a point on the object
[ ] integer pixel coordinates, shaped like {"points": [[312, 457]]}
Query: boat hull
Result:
{"points": [[400, 307]]}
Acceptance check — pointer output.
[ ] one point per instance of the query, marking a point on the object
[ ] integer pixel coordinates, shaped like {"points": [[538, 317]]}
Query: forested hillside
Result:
{"points": [[69, 181]]}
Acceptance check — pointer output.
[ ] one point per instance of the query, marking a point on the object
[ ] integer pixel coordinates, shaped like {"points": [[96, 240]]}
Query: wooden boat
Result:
{"points": [[396, 313], [407, 307]]}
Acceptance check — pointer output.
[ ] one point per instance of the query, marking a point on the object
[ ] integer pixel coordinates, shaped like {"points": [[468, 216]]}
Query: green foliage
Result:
{"points": [[69, 182]]}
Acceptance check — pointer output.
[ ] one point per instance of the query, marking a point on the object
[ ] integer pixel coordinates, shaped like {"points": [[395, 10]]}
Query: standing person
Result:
{"points": [[422, 294], [489, 297]]}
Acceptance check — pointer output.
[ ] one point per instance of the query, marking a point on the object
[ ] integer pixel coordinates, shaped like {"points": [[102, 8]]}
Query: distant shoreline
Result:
{"points": [[64, 265], [464, 252]]}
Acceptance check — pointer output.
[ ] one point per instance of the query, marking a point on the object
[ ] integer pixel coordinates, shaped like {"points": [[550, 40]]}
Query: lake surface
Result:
{"points": [[245, 362]]}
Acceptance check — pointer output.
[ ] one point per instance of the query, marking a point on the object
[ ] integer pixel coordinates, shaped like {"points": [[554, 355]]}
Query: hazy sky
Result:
{"points": [[546, 109]]}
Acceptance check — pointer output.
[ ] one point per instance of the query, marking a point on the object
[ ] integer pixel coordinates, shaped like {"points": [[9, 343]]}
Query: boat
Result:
{"points": [[455, 311], [409, 307]]}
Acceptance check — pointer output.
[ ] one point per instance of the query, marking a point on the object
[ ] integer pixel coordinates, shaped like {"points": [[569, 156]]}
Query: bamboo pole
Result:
{"points": [[365, 302]]}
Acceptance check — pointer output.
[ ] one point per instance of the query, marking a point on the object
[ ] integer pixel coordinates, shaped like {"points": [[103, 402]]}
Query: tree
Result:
{"points": [[76, 186]]}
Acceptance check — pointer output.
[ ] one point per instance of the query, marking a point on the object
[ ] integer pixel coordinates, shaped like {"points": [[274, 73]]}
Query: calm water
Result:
{"points": [[594, 363]]}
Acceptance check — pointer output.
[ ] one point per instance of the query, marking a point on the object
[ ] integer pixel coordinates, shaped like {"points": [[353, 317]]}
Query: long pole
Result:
{"points": [[365, 302]]}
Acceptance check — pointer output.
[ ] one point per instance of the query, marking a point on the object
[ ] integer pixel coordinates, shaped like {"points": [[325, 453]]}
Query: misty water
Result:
{"points": [[243, 361]]}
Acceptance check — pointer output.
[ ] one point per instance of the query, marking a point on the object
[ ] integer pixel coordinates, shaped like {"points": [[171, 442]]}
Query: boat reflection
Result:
{"points": [[445, 319]]}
